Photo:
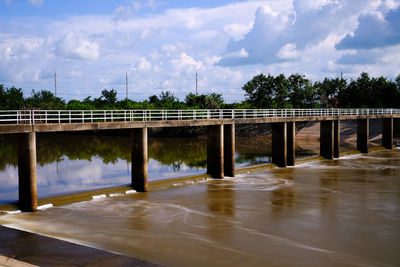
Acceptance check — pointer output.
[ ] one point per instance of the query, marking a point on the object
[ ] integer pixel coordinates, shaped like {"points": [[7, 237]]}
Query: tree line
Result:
{"points": [[262, 91]]}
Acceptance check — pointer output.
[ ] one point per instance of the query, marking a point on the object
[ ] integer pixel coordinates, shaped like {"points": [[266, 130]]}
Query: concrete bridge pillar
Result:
{"points": [[291, 143], [279, 145], [27, 171], [139, 159], [362, 135], [387, 133], [336, 138], [229, 150], [327, 139], [396, 127], [215, 151]]}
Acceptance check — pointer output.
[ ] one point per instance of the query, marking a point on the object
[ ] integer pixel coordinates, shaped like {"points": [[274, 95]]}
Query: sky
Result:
{"points": [[161, 44]]}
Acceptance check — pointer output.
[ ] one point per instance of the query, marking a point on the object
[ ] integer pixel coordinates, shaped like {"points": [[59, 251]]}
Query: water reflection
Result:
{"points": [[221, 197]]}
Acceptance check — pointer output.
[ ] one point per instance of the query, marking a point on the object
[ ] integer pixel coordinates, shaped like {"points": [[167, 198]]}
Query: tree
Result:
{"points": [[328, 92], [44, 100], [110, 97], [210, 101], [11, 98], [259, 91], [301, 92]]}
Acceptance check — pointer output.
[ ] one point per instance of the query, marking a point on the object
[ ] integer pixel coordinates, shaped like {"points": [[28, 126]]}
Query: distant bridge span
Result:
{"points": [[220, 134]]}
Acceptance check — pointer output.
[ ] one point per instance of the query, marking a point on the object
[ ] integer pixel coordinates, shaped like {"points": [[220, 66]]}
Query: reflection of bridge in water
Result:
{"points": [[220, 135]]}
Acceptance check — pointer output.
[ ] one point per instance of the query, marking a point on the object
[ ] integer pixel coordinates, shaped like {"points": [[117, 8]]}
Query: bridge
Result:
{"points": [[220, 125]]}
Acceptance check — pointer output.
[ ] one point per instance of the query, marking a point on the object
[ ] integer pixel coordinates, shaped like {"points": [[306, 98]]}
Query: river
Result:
{"points": [[319, 213]]}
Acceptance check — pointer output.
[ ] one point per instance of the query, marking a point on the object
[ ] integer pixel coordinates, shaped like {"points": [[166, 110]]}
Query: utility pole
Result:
{"points": [[196, 82], [126, 84], [55, 83]]}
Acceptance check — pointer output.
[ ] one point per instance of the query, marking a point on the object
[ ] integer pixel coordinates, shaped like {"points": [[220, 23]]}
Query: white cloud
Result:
{"points": [[143, 64], [186, 62], [76, 46], [237, 31], [288, 51], [241, 53]]}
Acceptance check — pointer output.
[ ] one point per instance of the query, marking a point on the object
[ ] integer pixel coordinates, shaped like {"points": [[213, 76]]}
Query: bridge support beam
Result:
{"points": [[215, 151], [229, 150], [362, 135], [327, 139], [387, 133], [27, 171], [279, 145], [291, 143], [139, 160], [336, 138]]}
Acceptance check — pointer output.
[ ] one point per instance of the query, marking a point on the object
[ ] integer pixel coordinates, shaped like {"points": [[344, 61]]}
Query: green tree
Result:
{"points": [[301, 92], [11, 98], [110, 97], [44, 100], [259, 91], [328, 91]]}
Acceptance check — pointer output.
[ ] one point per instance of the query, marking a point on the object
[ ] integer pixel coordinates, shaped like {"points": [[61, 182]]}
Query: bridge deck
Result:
{"points": [[89, 126]]}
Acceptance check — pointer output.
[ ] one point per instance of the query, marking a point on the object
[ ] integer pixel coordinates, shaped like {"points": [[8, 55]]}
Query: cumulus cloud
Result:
{"points": [[76, 46], [278, 36], [288, 51], [186, 62], [373, 32]]}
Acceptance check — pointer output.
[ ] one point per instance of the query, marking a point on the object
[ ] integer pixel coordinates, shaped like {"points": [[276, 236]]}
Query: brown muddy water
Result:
{"points": [[344, 212]]}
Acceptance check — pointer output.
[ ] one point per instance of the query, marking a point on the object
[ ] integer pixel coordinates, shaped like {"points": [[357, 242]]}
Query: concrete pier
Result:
{"points": [[387, 133], [215, 151], [362, 135], [279, 145], [27, 171], [229, 150], [291, 143], [336, 138], [327, 139], [139, 159]]}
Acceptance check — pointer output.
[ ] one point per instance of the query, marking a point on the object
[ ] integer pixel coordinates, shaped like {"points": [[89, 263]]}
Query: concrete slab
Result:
{"points": [[19, 248]]}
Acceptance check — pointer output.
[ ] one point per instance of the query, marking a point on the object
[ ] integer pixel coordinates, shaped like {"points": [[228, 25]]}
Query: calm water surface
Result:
{"points": [[344, 212], [75, 162]]}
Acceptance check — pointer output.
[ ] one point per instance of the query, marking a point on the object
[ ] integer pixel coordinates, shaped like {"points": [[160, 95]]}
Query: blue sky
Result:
{"points": [[162, 43]]}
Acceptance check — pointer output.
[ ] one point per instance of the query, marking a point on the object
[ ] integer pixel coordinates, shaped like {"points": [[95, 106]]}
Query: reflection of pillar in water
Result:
{"points": [[221, 198], [282, 197], [221, 203]]}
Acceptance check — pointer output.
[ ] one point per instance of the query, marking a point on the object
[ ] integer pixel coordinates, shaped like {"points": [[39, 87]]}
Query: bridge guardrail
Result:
{"points": [[87, 116]]}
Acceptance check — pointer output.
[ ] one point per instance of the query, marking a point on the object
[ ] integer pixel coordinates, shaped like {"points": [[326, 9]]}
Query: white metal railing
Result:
{"points": [[88, 116]]}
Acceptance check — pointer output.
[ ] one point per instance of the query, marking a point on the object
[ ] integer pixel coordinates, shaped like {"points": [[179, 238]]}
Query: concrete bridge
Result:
{"points": [[220, 135]]}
